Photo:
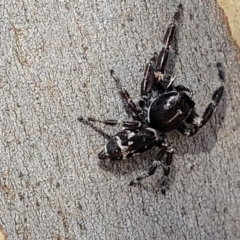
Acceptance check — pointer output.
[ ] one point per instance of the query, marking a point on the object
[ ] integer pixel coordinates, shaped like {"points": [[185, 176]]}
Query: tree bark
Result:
{"points": [[54, 67]]}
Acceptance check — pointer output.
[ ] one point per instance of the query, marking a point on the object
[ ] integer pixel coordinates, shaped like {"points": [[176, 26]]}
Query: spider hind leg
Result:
{"points": [[165, 149]]}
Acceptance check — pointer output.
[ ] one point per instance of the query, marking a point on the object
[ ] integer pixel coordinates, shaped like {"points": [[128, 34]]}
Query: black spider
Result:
{"points": [[163, 107]]}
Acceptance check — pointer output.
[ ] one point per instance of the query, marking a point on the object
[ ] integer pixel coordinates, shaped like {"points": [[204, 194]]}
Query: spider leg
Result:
{"points": [[183, 88], [149, 79], [112, 122], [217, 95], [198, 121], [165, 148], [153, 167], [98, 130], [169, 35], [127, 101], [166, 169]]}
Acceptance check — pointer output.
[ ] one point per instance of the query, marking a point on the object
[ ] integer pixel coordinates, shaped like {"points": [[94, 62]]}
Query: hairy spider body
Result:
{"points": [[163, 107]]}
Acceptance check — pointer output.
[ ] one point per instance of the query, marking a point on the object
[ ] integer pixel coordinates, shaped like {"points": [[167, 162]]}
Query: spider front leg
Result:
{"points": [[127, 101], [168, 38], [154, 71], [149, 79], [165, 149], [197, 121], [130, 125], [86, 121]]}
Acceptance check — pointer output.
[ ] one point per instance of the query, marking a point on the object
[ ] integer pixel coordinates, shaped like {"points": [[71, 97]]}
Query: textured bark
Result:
{"points": [[55, 58]]}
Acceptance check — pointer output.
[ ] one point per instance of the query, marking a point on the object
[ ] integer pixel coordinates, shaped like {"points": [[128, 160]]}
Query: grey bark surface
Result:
{"points": [[55, 58]]}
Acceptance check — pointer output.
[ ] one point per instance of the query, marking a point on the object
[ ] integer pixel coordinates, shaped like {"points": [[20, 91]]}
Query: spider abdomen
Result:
{"points": [[128, 143]]}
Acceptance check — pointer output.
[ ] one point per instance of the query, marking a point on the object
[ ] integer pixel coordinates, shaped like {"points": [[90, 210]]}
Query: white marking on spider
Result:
{"points": [[131, 134], [158, 75], [171, 81], [150, 107], [145, 76], [187, 132], [170, 149], [130, 143], [106, 151], [179, 112], [197, 121], [170, 102], [165, 144], [154, 131], [214, 104], [119, 143]]}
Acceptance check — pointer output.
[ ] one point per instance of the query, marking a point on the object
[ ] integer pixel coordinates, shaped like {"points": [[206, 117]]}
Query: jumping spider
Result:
{"points": [[163, 107]]}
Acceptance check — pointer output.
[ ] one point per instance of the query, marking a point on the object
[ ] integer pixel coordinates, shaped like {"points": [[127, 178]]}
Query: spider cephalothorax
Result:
{"points": [[163, 107]]}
